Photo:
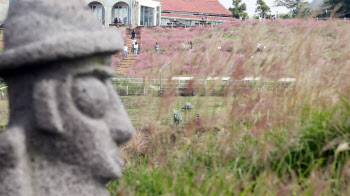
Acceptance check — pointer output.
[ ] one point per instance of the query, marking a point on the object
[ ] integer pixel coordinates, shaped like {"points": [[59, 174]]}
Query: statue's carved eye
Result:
{"points": [[90, 95]]}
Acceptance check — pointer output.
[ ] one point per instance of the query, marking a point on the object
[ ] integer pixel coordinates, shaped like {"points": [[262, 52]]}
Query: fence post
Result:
{"points": [[127, 90], [2, 93]]}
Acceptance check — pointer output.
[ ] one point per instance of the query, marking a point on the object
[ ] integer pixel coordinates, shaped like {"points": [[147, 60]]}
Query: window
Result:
{"points": [[98, 10], [165, 21], [146, 16], [121, 12]]}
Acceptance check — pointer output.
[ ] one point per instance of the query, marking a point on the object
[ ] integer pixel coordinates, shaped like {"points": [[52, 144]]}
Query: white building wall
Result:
{"points": [[4, 5], [147, 3]]}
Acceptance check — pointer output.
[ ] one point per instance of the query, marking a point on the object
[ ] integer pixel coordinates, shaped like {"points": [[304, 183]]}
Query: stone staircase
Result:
{"points": [[128, 62]]}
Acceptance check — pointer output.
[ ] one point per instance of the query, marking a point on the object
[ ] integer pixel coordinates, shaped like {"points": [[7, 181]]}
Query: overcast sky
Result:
{"points": [[251, 6]]}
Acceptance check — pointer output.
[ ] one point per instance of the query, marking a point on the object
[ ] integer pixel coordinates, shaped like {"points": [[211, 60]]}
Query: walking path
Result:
{"points": [[128, 62]]}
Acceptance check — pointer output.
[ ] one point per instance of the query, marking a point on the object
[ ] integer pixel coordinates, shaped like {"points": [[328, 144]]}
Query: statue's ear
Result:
{"points": [[45, 103]]}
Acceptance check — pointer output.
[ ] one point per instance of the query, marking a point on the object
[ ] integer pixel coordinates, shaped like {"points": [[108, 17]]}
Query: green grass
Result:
{"points": [[4, 112], [232, 162]]}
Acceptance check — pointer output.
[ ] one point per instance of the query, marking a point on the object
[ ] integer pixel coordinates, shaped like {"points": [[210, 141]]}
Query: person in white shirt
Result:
{"points": [[136, 47], [133, 45], [126, 50]]}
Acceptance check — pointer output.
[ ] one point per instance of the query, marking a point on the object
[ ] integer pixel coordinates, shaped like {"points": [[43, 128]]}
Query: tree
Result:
{"points": [[341, 7], [262, 9], [302, 10], [285, 16], [299, 7], [289, 4], [2, 82], [238, 9]]}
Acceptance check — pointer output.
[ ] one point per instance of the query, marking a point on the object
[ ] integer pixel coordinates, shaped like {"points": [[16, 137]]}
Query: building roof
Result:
{"points": [[199, 17], [195, 6]]}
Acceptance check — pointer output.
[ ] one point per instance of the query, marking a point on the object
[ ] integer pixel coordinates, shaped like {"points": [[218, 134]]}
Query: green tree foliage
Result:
{"points": [[342, 7], [238, 9], [262, 9], [289, 4], [302, 10], [285, 16], [2, 82], [299, 7]]}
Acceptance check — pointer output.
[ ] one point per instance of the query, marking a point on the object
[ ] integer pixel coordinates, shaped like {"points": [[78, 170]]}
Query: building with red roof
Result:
{"points": [[193, 12]]}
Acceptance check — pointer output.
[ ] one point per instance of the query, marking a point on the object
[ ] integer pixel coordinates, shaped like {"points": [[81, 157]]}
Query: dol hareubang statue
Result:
{"points": [[65, 120]]}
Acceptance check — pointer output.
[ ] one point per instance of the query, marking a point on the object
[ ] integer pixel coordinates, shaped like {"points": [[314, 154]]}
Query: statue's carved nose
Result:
{"points": [[118, 121], [121, 128]]}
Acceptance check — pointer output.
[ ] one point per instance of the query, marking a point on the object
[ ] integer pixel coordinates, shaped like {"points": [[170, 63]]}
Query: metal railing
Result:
{"points": [[199, 81], [213, 87]]}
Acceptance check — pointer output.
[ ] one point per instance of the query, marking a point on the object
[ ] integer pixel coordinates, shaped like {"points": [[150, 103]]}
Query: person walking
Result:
{"points": [[184, 46], [136, 47], [156, 47], [126, 50], [133, 45], [133, 34]]}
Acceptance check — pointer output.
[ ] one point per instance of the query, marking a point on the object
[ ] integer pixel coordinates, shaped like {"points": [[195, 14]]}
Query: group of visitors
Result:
{"points": [[189, 46], [117, 20], [135, 46], [184, 46]]}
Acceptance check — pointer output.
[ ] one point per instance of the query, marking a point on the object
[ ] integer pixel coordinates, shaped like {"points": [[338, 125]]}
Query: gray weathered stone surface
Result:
{"points": [[42, 31], [65, 119]]}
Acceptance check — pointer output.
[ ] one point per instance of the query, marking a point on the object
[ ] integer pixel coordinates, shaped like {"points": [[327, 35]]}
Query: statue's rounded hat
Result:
{"points": [[42, 31]]}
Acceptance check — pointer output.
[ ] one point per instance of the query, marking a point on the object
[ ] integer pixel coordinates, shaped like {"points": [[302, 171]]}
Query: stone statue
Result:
{"points": [[65, 119]]}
